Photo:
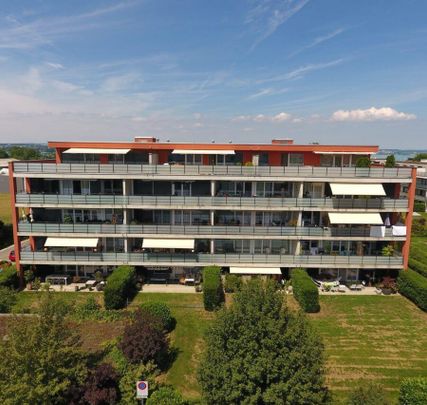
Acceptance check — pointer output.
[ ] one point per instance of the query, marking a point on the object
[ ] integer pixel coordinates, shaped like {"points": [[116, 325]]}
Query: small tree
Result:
{"points": [[390, 161], [41, 358], [258, 352], [166, 395], [7, 299], [363, 162], [102, 386], [144, 339], [368, 393]]}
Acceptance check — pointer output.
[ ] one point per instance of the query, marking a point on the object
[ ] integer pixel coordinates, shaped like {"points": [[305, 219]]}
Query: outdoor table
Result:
{"points": [[90, 283]]}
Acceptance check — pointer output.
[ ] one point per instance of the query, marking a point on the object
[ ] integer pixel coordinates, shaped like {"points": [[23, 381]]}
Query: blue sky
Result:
{"points": [[330, 71]]}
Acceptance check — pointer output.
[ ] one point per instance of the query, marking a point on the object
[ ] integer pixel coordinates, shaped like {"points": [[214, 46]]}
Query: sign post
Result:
{"points": [[142, 390]]}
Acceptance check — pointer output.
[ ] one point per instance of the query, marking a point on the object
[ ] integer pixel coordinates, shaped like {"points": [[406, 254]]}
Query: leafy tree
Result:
{"points": [[161, 311], [259, 352], [420, 156], [9, 276], [133, 373], [363, 162], [370, 393], [390, 161], [24, 153], [102, 386], [144, 339], [3, 154], [7, 299], [41, 360], [166, 395]]}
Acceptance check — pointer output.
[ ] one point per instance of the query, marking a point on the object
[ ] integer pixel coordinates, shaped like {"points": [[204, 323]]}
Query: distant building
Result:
{"points": [[176, 207]]}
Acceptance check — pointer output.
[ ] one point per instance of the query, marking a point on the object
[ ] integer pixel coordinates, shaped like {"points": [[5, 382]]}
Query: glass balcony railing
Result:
{"points": [[203, 259], [203, 231], [207, 170], [165, 202]]}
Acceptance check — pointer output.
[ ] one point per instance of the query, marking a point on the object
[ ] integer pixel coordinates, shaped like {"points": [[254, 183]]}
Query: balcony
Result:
{"points": [[203, 172], [201, 232], [204, 259], [229, 203]]}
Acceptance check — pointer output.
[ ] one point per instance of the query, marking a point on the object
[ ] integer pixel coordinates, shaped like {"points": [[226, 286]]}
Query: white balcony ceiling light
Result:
{"points": [[203, 152], [357, 189], [168, 243], [359, 218], [98, 151], [72, 242], [255, 270]]}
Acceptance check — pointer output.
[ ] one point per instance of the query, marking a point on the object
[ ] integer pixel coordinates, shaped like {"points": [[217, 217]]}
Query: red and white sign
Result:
{"points": [[142, 389]]}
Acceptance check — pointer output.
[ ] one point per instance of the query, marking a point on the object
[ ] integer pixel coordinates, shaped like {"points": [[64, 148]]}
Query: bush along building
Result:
{"points": [[170, 209]]}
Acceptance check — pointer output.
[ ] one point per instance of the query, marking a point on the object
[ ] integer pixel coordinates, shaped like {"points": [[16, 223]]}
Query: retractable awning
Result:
{"points": [[72, 242], [357, 189], [98, 151], [255, 270], [359, 218], [203, 152], [168, 243]]}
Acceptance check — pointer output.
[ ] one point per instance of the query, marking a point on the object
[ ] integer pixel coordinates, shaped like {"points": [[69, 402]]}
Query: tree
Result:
{"points": [[166, 395], [257, 351], [102, 386], [370, 393], [3, 154], [144, 339], [41, 360], [390, 161], [24, 153], [7, 299], [420, 156], [363, 162]]}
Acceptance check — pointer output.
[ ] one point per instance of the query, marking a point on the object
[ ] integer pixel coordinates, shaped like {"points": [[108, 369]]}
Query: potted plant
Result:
{"points": [[68, 219], [29, 277], [387, 251], [388, 286]]}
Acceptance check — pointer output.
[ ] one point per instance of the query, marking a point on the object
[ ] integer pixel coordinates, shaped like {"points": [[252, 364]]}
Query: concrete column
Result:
{"points": [[153, 159], [253, 189], [213, 188], [212, 246], [297, 248], [212, 217], [126, 187]]}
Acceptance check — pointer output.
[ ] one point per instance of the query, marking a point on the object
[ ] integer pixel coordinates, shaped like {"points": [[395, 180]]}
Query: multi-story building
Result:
{"points": [[421, 184], [249, 208]]}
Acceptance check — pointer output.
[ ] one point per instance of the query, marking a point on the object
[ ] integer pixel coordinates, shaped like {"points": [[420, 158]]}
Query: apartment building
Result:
{"points": [[421, 184], [176, 207]]}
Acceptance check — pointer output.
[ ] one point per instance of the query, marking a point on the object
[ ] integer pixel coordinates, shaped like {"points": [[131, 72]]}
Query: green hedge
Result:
{"points": [[305, 291], [8, 277], [413, 391], [413, 286], [161, 311], [213, 295], [121, 286], [419, 206], [418, 266]]}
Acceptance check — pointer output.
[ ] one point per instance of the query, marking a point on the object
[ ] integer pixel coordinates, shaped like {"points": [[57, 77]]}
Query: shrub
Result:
{"points": [[120, 287], [419, 206], [161, 311], [363, 162], [213, 294], [102, 386], [144, 339], [368, 393], [147, 372], [166, 395], [7, 299], [9, 277], [413, 391], [305, 291], [390, 161], [413, 286], [233, 283]]}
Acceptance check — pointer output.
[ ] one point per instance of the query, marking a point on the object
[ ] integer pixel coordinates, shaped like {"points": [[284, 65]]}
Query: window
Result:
{"points": [[326, 160], [296, 159], [263, 159]]}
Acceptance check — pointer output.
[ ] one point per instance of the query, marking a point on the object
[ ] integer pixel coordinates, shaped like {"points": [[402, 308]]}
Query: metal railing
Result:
{"points": [[207, 202], [25, 228], [208, 170], [201, 259]]}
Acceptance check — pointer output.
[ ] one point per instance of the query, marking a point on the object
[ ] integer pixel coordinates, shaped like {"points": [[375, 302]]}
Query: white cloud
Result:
{"points": [[319, 40], [372, 114], [280, 117], [269, 15], [55, 65], [32, 80], [267, 92]]}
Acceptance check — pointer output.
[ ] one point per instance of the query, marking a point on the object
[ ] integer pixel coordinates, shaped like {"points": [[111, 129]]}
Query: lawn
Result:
{"points": [[371, 338], [5, 210], [366, 338]]}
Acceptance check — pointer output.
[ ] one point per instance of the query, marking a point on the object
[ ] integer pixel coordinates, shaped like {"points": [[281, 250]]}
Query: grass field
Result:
{"points": [[366, 338], [5, 210]]}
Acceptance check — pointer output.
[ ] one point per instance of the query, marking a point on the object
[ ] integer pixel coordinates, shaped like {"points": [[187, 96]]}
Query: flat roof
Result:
{"points": [[362, 149]]}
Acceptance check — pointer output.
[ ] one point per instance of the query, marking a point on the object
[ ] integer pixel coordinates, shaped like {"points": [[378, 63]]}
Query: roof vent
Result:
{"points": [[284, 141], [145, 139]]}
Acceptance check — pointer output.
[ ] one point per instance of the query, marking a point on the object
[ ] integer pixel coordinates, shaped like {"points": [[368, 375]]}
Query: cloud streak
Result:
{"points": [[371, 114], [278, 118]]}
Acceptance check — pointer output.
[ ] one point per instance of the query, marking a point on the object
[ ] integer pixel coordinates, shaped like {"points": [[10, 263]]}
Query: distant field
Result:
{"points": [[5, 209]]}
